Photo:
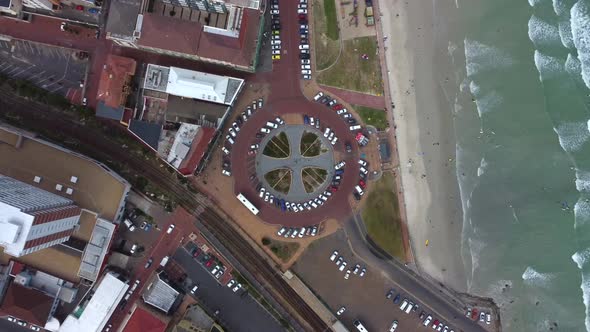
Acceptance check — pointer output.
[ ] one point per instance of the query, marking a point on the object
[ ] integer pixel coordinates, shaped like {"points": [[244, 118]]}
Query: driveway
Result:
{"points": [[237, 311]]}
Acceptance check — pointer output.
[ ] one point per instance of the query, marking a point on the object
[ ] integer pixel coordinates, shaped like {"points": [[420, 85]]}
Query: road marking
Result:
{"points": [[25, 70], [31, 48], [15, 68], [45, 79], [40, 73], [9, 65]]}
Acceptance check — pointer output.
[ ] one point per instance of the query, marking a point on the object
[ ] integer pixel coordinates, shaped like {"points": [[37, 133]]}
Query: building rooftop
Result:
{"points": [[93, 315], [27, 304], [123, 18], [114, 78], [96, 187], [160, 294], [148, 132], [143, 321], [44, 260], [96, 249]]}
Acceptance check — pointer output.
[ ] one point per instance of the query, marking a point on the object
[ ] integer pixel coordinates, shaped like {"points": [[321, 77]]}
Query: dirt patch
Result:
{"points": [[279, 180], [353, 22], [282, 250], [313, 178], [277, 147]]}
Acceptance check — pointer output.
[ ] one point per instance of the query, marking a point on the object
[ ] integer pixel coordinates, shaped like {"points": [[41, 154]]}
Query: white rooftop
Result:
{"points": [[14, 228], [182, 143], [197, 85], [96, 249], [99, 309]]}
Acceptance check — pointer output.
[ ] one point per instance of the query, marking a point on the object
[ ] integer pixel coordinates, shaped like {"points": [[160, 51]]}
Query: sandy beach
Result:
{"points": [[418, 69]]}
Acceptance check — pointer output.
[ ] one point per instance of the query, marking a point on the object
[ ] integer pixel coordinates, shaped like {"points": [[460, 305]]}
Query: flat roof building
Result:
{"points": [[114, 87], [93, 314], [222, 32], [160, 295]]}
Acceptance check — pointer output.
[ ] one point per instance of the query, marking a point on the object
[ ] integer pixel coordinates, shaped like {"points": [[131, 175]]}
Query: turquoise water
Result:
{"points": [[522, 111]]}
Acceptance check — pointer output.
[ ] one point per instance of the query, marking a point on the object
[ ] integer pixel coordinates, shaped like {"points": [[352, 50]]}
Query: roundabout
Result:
{"points": [[295, 163]]}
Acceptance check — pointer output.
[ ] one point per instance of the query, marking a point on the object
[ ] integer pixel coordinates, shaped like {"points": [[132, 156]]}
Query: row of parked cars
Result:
{"points": [[333, 104], [408, 306], [286, 206], [233, 132], [304, 48], [483, 316], [275, 41], [341, 263], [294, 232], [23, 323]]}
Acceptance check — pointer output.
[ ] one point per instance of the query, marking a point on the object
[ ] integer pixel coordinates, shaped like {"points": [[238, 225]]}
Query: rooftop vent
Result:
{"points": [[58, 187], [74, 179], [37, 179], [69, 191]]}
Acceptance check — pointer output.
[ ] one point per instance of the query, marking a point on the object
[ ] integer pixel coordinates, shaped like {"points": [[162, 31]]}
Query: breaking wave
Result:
{"points": [[580, 23], [572, 135]]}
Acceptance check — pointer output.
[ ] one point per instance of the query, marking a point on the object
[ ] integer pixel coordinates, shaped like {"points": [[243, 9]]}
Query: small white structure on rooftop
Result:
{"points": [[197, 85], [97, 312]]}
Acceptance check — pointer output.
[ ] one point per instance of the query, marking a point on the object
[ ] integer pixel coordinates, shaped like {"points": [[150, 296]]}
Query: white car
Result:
{"points": [[215, 269], [339, 261], [327, 132], [274, 12], [276, 52], [306, 67], [319, 95], [303, 26], [229, 139], [342, 267], [299, 11], [232, 132], [254, 147], [427, 320], [266, 196], [342, 111], [340, 311], [356, 270], [306, 76], [231, 283], [262, 191], [334, 140], [307, 62], [347, 275], [225, 172], [393, 326], [170, 228], [302, 232], [334, 254], [363, 271], [302, 6], [306, 72], [488, 319], [295, 233], [264, 130], [330, 136], [225, 150], [276, 37], [295, 208], [235, 126], [276, 47], [11, 319], [237, 288], [194, 289], [282, 231], [304, 46], [35, 328], [362, 163], [275, 42], [280, 121], [363, 170], [340, 165], [311, 121]]}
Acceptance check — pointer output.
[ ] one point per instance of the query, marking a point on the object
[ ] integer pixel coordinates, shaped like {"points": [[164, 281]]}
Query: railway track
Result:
{"points": [[93, 142]]}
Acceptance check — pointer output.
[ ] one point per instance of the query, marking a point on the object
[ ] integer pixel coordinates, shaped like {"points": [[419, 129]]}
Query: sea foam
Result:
{"points": [[543, 33], [481, 57], [483, 164], [580, 23], [565, 34], [572, 135], [581, 258], [534, 278], [581, 212], [548, 66], [560, 7], [486, 101]]}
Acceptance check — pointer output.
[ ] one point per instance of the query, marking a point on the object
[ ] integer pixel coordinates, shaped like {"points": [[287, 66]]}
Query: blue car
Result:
{"points": [[306, 119], [397, 298], [93, 10], [339, 172], [283, 206]]}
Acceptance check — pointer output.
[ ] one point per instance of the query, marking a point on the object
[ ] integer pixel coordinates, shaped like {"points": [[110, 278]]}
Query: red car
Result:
{"points": [[435, 323], [80, 7], [197, 252], [474, 314], [362, 184], [302, 16], [334, 189], [337, 107], [209, 262]]}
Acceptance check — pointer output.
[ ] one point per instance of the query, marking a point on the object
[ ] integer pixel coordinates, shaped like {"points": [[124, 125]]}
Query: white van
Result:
{"points": [[129, 225], [359, 190], [404, 305], [355, 127], [409, 308]]}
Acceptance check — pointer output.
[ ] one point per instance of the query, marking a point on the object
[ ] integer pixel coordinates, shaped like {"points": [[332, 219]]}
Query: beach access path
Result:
{"points": [[424, 136]]}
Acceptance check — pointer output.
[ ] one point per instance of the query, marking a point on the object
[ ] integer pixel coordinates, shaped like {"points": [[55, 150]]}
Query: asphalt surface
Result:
{"points": [[56, 69], [430, 296], [237, 311], [6, 326]]}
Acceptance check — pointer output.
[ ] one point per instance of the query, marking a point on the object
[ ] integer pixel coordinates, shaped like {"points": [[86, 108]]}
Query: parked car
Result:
{"points": [[342, 266], [194, 289], [149, 262], [363, 272], [427, 320], [488, 318], [390, 293], [170, 228], [318, 96], [282, 231], [393, 326], [347, 275], [340, 311], [397, 298], [231, 283], [237, 288], [482, 317]]}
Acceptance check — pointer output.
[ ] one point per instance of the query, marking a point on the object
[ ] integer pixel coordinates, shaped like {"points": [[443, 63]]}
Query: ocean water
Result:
{"points": [[521, 107]]}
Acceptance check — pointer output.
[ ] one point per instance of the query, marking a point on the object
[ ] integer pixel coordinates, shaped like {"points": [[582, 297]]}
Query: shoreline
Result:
{"points": [[426, 139]]}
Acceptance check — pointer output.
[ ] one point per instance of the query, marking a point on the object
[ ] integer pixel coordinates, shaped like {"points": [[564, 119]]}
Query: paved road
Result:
{"points": [[435, 302], [6, 326], [237, 311]]}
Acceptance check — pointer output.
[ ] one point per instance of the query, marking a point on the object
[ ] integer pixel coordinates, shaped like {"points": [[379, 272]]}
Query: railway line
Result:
{"points": [[94, 143]]}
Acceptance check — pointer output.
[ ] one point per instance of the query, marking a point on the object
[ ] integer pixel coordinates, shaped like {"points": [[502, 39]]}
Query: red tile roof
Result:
{"points": [[168, 33], [143, 321], [17, 267], [112, 79], [197, 151], [27, 304]]}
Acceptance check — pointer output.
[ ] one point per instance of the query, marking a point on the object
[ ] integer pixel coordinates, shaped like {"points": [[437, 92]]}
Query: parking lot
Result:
{"points": [[56, 69], [236, 311], [363, 297]]}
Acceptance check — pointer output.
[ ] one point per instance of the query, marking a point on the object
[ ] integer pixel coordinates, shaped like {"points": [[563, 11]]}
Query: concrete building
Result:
{"points": [[227, 33], [181, 113], [32, 219], [114, 87], [95, 310], [11, 8], [40, 4], [160, 295]]}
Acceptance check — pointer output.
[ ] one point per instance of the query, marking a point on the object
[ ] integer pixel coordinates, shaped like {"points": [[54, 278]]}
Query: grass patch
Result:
{"points": [[277, 147], [382, 217], [279, 179], [325, 47], [331, 19], [372, 116], [310, 146], [313, 178], [352, 72], [283, 250]]}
